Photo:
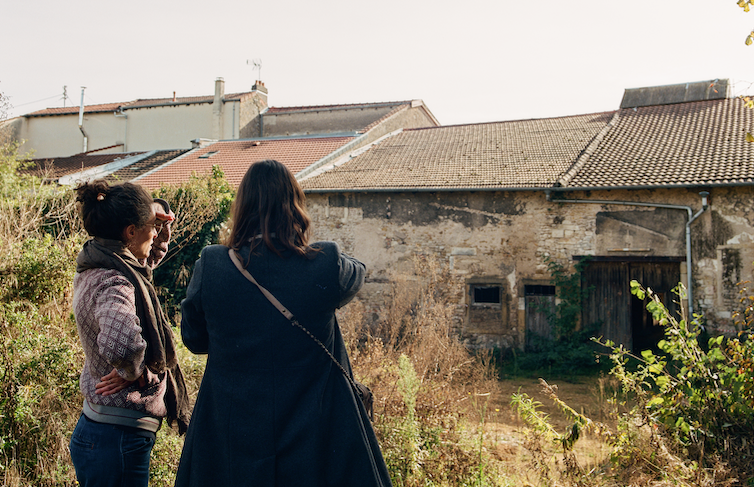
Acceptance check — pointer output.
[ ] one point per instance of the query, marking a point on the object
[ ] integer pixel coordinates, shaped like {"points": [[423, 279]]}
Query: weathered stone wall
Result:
{"points": [[501, 238]]}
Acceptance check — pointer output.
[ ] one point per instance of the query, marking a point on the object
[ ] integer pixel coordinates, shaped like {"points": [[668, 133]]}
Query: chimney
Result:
{"points": [[261, 91], [217, 109], [174, 97]]}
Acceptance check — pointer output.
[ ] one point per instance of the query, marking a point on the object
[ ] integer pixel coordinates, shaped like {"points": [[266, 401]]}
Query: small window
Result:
{"points": [[486, 294], [539, 290], [207, 155]]}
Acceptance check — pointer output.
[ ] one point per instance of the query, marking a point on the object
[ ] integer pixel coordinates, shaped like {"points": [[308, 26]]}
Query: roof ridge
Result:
{"points": [[471, 124], [583, 158], [341, 105]]}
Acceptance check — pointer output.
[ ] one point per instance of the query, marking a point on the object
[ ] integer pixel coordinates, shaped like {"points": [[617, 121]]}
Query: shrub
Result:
{"points": [[39, 366], [699, 398], [201, 206], [569, 350]]}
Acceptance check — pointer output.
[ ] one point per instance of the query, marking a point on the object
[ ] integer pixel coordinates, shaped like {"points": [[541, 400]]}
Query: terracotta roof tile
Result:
{"points": [[235, 157], [693, 143], [104, 107], [140, 103], [515, 154]]}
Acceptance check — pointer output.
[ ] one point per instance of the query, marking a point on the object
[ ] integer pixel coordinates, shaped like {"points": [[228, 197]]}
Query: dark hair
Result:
{"points": [[270, 204], [107, 210]]}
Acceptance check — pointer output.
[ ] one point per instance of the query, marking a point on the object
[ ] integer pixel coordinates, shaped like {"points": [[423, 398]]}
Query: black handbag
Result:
{"points": [[362, 391]]}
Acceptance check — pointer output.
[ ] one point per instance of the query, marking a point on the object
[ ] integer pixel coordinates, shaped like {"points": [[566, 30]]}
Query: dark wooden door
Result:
{"points": [[623, 319]]}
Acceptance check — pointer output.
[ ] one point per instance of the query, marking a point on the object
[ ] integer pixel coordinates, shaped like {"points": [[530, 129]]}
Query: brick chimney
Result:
{"points": [[261, 91]]}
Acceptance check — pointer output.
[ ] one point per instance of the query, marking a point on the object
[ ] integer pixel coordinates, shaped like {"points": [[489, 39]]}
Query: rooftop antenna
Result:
{"points": [[65, 94], [257, 63]]}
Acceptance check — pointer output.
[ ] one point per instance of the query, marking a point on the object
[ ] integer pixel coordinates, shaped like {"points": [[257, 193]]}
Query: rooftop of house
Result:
{"points": [[54, 168], [144, 165], [681, 144], [235, 156], [320, 108], [140, 103], [504, 155], [689, 134]]}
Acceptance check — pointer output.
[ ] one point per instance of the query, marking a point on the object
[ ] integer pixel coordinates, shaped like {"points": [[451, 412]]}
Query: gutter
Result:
{"points": [[691, 217], [422, 189]]}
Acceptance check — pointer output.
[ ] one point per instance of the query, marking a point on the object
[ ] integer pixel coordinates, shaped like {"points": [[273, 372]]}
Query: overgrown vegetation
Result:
{"points": [[432, 393], [680, 416], [201, 206], [568, 350], [690, 419]]}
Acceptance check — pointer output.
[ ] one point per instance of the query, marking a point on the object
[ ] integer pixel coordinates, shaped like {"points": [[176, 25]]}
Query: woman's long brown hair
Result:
{"points": [[270, 207]]}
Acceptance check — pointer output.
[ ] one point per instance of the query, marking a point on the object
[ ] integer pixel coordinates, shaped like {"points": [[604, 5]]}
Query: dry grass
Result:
{"points": [[443, 438]]}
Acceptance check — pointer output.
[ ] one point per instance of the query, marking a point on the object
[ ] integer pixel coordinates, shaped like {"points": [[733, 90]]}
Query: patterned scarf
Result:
{"points": [[160, 353]]}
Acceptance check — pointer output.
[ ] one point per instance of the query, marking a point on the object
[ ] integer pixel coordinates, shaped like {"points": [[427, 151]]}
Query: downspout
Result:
{"points": [[691, 217], [81, 121], [121, 114]]}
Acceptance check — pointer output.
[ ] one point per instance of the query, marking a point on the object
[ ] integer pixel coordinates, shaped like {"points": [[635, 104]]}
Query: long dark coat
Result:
{"points": [[273, 410]]}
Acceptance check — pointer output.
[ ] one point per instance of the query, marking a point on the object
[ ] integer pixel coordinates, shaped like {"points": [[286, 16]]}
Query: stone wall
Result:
{"points": [[499, 239]]}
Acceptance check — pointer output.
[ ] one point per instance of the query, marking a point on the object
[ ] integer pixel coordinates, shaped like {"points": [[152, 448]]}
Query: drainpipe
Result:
{"points": [[121, 114], [691, 218], [81, 120]]}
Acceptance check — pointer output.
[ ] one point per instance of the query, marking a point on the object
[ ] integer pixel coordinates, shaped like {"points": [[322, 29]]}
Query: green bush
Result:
{"points": [[568, 350], [39, 368], [43, 271], [700, 395], [201, 206]]}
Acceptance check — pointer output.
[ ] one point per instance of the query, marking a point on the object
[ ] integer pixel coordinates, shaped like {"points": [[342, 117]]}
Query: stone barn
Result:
{"points": [[658, 191]]}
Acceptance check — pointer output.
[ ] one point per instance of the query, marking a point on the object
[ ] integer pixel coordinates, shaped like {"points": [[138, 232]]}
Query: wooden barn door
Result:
{"points": [[607, 301], [540, 302], [662, 278], [623, 317]]}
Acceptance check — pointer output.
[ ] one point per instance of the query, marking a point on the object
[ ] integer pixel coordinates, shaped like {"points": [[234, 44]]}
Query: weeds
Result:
{"points": [[431, 414]]}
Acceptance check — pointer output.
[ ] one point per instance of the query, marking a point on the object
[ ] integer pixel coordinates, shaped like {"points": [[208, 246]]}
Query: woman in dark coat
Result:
{"points": [[273, 409]]}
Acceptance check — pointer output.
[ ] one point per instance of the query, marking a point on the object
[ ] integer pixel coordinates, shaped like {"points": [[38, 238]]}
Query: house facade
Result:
{"points": [[660, 193], [141, 125]]}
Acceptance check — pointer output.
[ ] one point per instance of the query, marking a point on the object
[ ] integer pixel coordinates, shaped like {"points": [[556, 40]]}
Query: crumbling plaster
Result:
{"points": [[504, 236]]}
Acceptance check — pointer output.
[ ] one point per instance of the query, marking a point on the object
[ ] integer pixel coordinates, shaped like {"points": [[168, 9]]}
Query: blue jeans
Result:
{"points": [[107, 455]]}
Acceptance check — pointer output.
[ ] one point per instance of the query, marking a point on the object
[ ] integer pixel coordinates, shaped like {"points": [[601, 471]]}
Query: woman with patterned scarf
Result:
{"points": [[131, 379]]}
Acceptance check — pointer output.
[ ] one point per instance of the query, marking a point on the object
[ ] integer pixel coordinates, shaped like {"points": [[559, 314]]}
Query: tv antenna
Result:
{"points": [[257, 63]]}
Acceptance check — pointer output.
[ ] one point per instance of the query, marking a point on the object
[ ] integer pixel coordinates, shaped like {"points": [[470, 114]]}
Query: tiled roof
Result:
{"points": [[145, 165], [140, 103], [101, 108], [693, 143], [235, 157], [279, 110], [56, 167], [505, 155]]}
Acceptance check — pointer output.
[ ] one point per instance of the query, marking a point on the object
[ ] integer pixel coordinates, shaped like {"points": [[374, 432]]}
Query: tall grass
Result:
{"points": [[40, 356], [431, 392]]}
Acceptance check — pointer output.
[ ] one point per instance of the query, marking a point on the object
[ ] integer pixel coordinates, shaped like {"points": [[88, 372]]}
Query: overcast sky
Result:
{"points": [[471, 61]]}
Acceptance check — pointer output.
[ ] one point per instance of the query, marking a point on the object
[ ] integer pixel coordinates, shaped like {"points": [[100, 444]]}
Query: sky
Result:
{"points": [[470, 62]]}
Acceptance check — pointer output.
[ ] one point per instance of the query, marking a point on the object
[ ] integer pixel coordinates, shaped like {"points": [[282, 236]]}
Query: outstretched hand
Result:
{"points": [[113, 383]]}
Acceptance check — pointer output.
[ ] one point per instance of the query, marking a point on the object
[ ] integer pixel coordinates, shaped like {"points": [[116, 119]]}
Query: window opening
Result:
{"points": [[487, 295], [539, 290]]}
